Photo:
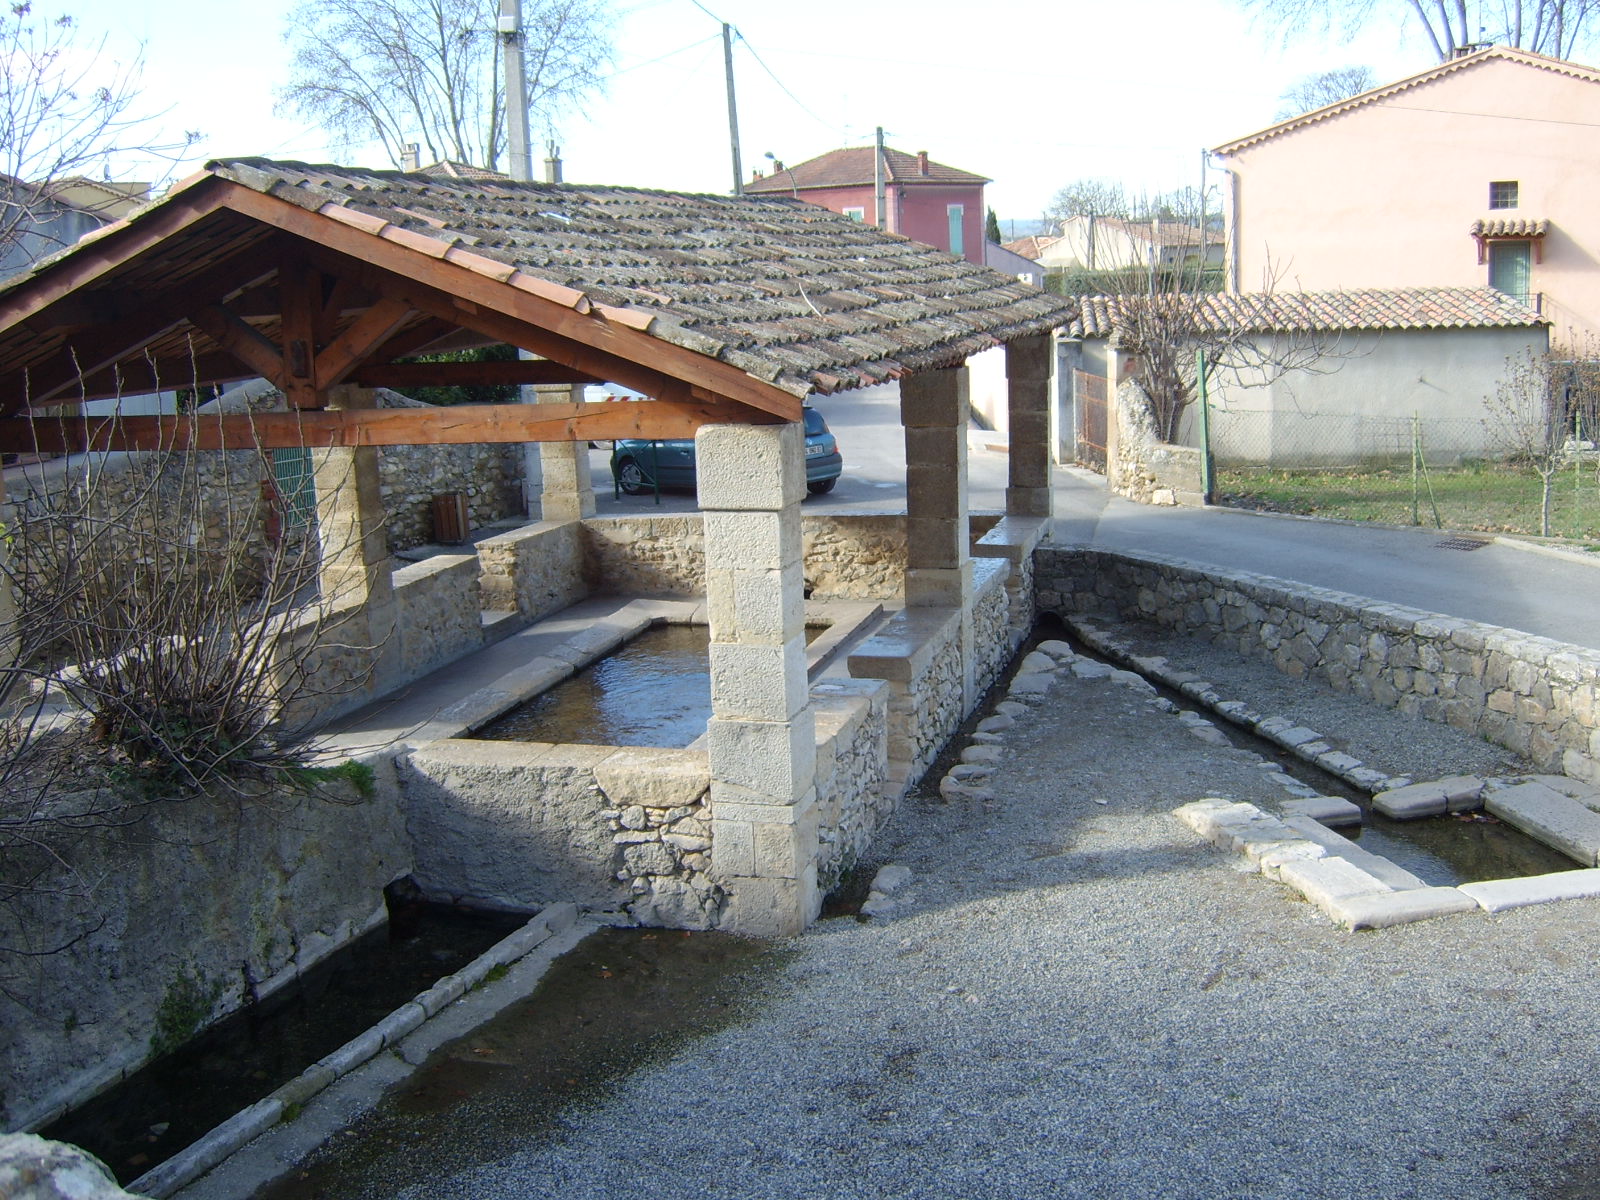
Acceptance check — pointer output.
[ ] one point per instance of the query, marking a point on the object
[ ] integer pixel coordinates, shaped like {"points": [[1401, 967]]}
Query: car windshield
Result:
{"points": [[814, 422]]}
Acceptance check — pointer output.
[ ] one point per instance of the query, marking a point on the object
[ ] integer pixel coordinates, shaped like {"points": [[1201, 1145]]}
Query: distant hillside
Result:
{"points": [[1011, 230]]}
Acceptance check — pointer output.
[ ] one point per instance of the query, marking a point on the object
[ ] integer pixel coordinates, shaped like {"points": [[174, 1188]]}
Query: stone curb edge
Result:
{"points": [[243, 1127]]}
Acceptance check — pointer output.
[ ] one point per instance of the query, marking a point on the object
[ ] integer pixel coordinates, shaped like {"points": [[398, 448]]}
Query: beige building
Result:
{"points": [[1478, 171]]}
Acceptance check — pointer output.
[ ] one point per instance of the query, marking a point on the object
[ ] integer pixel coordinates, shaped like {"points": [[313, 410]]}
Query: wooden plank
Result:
{"points": [[301, 300], [478, 293], [462, 424], [448, 374]]}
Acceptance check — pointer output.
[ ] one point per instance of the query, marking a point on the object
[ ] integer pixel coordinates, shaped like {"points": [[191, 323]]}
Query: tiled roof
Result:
{"points": [[1508, 227], [447, 168], [1365, 308], [852, 167], [1379, 94], [795, 295], [1031, 247], [1163, 233]]}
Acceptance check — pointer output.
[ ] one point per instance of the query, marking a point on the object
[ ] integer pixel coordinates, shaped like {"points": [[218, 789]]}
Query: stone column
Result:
{"points": [[1028, 402], [354, 567], [761, 740], [566, 492], [933, 410]]}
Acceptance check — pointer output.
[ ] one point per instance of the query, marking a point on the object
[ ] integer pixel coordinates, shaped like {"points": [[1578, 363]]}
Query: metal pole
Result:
{"points": [[1207, 484], [877, 180], [518, 144], [733, 111]]}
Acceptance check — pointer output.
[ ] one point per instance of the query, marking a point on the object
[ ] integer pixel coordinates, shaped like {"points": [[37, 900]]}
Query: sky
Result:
{"points": [[1034, 94]]}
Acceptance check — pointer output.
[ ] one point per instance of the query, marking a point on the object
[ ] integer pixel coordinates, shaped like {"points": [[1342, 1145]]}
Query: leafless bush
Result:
{"points": [[1536, 413]]}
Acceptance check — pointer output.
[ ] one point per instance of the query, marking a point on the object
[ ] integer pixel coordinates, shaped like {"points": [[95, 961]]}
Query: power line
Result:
{"points": [[650, 62], [782, 86]]}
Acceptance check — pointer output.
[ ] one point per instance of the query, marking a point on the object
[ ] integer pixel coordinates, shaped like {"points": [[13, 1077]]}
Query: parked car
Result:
{"points": [[637, 464]]}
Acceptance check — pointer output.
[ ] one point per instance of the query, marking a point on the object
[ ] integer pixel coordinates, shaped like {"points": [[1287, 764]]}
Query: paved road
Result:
{"points": [[1501, 583]]}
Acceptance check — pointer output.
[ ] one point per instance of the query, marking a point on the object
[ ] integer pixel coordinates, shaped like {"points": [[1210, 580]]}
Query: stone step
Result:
{"points": [[1433, 798], [1338, 846], [1558, 821], [1325, 810]]}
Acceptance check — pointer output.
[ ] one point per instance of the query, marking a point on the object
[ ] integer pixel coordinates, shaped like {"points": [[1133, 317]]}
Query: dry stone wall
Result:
{"points": [[917, 651], [176, 919], [534, 571], [853, 797], [991, 621], [1536, 697]]}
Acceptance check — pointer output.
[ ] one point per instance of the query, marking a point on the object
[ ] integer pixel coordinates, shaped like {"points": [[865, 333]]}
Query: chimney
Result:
{"points": [[922, 162], [552, 163], [777, 165], [411, 157]]}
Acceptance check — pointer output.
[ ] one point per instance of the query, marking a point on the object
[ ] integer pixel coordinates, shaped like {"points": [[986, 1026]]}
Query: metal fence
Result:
{"points": [[1441, 472]]}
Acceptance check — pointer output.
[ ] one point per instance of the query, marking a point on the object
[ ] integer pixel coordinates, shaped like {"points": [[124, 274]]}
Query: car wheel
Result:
{"points": [[630, 478], [818, 487]]}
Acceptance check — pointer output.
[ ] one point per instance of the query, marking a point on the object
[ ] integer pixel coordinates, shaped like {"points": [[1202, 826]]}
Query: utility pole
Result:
{"points": [[733, 111], [877, 180], [519, 144]]}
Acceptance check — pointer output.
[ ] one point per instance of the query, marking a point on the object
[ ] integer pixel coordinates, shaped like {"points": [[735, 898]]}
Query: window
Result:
{"points": [[956, 214], [1511, 268], [1503, 193], [856, 214]]}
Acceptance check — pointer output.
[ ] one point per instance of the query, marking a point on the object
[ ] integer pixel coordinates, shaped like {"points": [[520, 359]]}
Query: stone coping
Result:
{"points": [[285, 1102], [1353, 886]]}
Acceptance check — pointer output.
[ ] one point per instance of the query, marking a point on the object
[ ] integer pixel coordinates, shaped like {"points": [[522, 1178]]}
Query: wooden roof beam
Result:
{"points": [[469, 424], [468, 374]]}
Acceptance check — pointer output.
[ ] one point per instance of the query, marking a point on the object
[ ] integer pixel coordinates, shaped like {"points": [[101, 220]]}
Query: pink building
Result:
{"points": [[939, 205], [1481, 170]]}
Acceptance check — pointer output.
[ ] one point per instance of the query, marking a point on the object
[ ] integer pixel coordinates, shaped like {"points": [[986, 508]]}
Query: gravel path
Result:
{"points": [[1075, 998]]}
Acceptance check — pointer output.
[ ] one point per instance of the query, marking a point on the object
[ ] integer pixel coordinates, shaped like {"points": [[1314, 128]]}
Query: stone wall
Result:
{"points": [[991, 621], [854, 557], [1534, 696], [646, 556], [1146, 469], [179, 918], [918, 652], [522, 824], [439, 612], [534, 571], [853, 799], [409, 477]]}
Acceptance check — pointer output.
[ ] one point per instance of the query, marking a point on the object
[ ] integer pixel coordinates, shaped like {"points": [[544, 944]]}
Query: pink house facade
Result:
{"points": [[933, 203], [1480, 171]]}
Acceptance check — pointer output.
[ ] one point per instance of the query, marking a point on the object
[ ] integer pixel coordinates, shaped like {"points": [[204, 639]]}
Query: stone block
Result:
{"points": [[758, 683], [1330, 882], [932, 398], [1411, 802], [763, 760], [762, 540], [772, 907], [1556, 820], [934, 448], [1382, 910], [785, 851], [750, 467], [755, 604], [939, 587], [1497, 895], [934, 542], [653, 777], [1337, 846], [1325, 810]]}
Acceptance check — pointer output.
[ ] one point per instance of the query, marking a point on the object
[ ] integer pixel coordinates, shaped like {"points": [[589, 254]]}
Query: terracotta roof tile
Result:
{"points": [[1510, 227], [1366, 308], [853, 166], [798, 296]]}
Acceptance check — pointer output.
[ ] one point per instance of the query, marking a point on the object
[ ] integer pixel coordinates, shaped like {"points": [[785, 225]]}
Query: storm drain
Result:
{"points": [[1461, 543]]}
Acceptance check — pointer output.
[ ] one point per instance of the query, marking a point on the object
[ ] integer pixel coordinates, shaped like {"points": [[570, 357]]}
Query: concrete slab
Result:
{"points": [[1497, 895], [1336, 845], [1380, 911], [1558, 821]]}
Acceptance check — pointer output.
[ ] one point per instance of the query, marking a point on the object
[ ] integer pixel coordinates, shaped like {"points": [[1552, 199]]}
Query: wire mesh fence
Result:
{"points": [[1442, 472]]}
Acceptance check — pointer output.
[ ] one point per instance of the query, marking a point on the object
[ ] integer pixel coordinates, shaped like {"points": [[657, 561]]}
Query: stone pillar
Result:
{"points": [[354, 567], [761, 740], [1028, 402], [933, 410], [566, 492]]}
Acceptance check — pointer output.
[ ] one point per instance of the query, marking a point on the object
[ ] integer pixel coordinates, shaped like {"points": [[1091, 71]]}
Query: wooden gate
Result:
{"points": [[1090, 391]]}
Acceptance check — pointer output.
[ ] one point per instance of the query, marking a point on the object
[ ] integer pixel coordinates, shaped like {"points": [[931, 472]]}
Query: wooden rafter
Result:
{"points": [[484, 374], [242, 341], [461, 424]]}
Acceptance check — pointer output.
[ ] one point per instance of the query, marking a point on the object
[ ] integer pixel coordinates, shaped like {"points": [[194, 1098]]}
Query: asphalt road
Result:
{"points": [[1502, 583]]}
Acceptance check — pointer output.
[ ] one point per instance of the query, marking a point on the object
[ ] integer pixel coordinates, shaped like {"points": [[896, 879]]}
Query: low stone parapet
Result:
{"points": [[918, 652]]}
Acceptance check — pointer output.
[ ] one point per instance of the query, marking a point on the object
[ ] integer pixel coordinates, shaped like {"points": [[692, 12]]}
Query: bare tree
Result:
{"points": [[1326, 87], [1089, 197], [1558, 28], [1531, 416], [430, 72], [67, 109]]}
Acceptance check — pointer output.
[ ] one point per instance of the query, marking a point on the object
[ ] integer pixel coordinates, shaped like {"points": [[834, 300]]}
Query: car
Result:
{"points": [[639, 464]]}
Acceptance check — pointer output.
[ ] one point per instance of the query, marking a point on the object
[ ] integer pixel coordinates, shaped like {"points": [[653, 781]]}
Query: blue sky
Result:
{"points": [[1033, 93]]}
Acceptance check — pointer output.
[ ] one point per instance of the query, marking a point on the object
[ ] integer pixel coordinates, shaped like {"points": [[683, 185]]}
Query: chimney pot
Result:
{"points": [[922, 162], [411, 157]]}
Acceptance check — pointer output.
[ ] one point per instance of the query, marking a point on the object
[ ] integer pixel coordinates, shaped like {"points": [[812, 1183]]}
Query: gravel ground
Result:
{"points": [[1076, 998]]}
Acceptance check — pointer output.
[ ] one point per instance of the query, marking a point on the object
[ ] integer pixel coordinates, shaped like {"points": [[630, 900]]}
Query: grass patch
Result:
{"points": [[1487, 498]]}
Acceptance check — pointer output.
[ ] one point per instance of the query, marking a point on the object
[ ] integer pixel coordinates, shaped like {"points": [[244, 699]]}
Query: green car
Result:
{"points": [[639, 465]]}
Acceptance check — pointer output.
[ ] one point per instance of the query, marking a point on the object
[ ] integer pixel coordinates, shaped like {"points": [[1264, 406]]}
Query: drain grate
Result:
{"points": [[1461, 543]]}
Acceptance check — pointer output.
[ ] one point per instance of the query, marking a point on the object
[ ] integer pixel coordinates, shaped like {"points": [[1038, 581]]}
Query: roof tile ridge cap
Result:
{"points": [[633, 318], [480, 264], [340, 210], [559, 293]]}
